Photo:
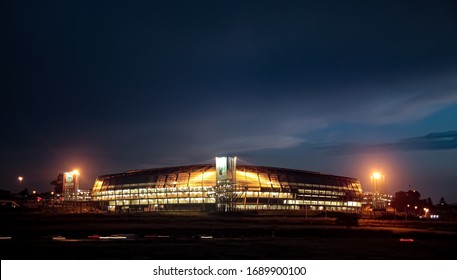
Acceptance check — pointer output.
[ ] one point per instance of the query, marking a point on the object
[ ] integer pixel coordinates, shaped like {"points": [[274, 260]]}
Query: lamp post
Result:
{"points": [[76, 174], [20, 179], [52, 199], [375, 180]]}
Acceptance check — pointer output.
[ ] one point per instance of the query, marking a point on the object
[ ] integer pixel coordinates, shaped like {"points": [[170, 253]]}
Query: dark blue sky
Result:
{"points": [[341, 87]]}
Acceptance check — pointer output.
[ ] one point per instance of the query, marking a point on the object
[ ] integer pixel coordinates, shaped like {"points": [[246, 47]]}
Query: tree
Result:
{"points": [[4, 194], [400, 201], [58, 183], [24, 193], [429, 202], [412, 198], [442, 202]]}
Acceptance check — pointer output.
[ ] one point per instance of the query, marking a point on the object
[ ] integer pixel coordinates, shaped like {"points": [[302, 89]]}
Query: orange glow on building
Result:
{"points": [[195, 187]]}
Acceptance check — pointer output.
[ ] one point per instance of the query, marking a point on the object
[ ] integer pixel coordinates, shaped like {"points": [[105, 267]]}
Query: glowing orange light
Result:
{"points": [[376, 175], [75, 172]]}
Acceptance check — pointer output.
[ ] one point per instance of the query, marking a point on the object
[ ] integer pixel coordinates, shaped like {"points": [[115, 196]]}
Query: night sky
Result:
{"points": [[339, 87]]}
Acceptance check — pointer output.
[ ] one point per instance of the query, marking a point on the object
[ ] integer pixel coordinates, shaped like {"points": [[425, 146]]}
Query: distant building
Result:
{"points": [[83, 195], [71, 185], [377, 201], [226, 186]]}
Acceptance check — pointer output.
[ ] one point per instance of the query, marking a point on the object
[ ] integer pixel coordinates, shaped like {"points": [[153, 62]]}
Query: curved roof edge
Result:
{"points": [[209, 165]]}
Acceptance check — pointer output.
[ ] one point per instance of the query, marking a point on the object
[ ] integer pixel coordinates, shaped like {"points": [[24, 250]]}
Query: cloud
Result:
{"points": [[197, 127], [432, 141], [414, 100], [379, 102]]}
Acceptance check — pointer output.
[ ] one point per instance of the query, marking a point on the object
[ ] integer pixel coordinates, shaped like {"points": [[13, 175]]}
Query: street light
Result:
{"points": [[76, 174], [375, 180], [52, 199], [20, 178], [406, 212], [376, 177]]}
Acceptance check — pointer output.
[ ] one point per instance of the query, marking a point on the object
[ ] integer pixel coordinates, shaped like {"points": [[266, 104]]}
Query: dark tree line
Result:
{"points": [[411, 202]]}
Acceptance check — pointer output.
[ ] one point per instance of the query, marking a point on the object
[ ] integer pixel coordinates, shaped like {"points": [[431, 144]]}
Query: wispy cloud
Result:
{"points": [[432, 141]]}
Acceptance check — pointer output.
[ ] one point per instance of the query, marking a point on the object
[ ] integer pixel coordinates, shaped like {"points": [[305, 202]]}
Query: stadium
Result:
{"points": [[226, 186]]}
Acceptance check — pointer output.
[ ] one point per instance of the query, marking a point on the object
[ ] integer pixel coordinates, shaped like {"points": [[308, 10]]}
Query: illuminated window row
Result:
{"points": [[264, 194], [292, 207], [266, 207], [149, 194], [149, 188], [136, 196], [321, 202], [154, 191], [160, 201], [308, 191]]}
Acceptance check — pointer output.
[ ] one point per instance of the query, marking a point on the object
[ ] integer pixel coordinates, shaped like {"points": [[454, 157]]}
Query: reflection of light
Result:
{"points": [[75, 172], [208, 174], [406, 240]]}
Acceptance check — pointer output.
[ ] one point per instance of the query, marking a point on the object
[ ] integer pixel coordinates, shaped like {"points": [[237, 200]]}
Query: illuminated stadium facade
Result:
{"points": [[226, 186]]}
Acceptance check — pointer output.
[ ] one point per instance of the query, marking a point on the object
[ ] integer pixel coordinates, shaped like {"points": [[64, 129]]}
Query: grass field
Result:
{"points": [[184, 236]]}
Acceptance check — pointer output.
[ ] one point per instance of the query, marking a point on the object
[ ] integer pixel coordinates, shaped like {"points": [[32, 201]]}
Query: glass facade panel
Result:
{"points": [[256, 188]]}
